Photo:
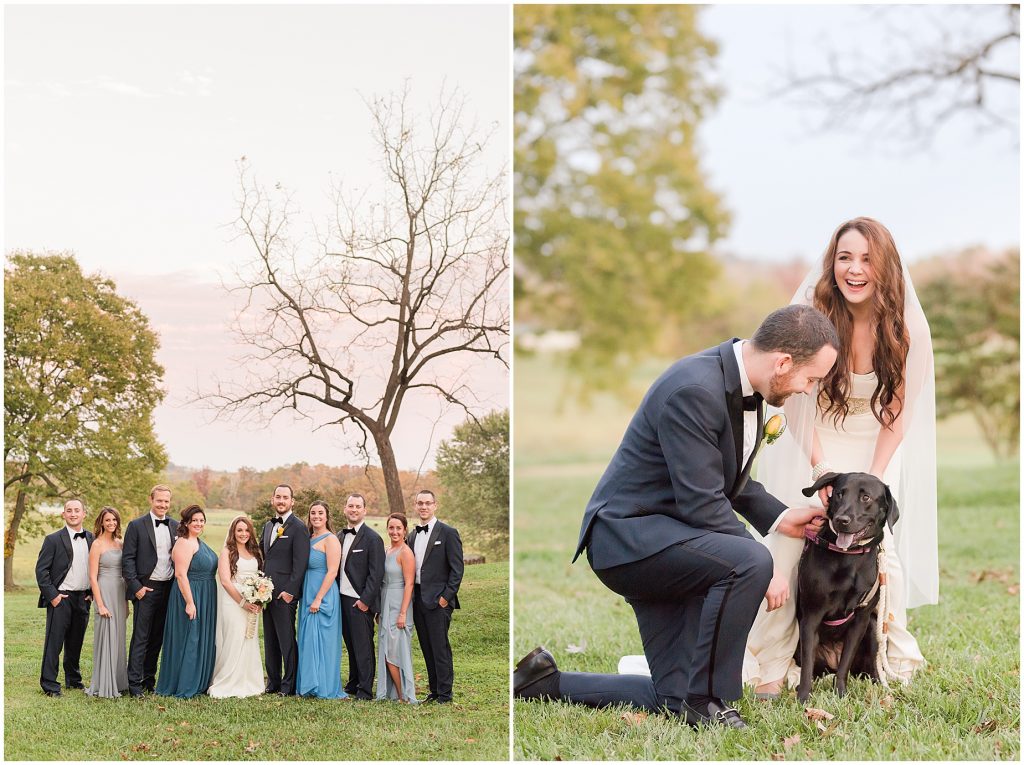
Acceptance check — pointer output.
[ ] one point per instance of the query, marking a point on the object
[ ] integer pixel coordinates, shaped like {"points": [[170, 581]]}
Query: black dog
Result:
{"points": [[838, 583]]}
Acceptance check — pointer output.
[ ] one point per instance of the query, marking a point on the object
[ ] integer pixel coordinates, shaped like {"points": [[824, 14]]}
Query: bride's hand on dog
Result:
{"points": [[824, 494], [778, 592], [796, 518]]}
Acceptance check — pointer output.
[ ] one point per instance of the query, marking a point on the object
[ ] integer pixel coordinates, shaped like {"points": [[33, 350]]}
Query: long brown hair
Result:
{"points": [[97, 528], [889, 330], [327, 512], [252, 546]]}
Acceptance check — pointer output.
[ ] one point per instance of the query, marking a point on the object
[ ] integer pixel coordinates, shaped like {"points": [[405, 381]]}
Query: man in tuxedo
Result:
{"points": [[359, 576], [660, 528], [439, 568], [148, 573], [62, 573], [285, 543]]}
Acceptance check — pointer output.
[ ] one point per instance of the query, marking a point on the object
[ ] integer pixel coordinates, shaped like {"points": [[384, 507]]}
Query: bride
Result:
{"points": [[238, 671]]}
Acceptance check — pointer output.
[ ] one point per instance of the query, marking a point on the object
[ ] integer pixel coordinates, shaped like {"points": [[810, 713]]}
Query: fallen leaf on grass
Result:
{"points": [[253, 746], [169, 729], [999, 576], [140, 748], [985, 727], [470, 740], [887, 701], [818, 714], [789, 743], [777, 757], [161, 709], [576, 648], [184, 724], [1013, 589], [634, 718]]}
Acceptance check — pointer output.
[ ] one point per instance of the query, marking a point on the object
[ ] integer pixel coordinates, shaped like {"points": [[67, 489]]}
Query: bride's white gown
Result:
{"points": [[774, 636], [238, 668]]}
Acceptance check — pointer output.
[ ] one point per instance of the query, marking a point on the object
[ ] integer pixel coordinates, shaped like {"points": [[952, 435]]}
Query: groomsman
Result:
{"points": [[148, 573], [285, 543], [359, 577], [62, 573], [439, 567]]}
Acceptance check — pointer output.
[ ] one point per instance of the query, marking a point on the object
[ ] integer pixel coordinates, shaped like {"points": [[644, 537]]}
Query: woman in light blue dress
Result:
{"points": [[319, 637], [186, 664], [395, 679]]}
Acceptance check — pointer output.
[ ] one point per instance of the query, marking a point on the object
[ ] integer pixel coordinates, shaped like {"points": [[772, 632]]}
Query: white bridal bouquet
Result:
{"points": [[257, 589]]}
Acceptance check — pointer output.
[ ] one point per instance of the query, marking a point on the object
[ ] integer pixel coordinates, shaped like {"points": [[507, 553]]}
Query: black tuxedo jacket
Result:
{"points": [[675, 475], [138, 555], [54, 562], [441, 572], [364, 565], [285, 561]]}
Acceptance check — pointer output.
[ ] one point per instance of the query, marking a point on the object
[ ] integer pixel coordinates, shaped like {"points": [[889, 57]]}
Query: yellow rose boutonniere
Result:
{"points": [[280, 527], [774, 428]]}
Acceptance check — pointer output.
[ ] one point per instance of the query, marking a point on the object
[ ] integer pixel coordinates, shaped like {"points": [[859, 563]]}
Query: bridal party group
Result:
{"points": [[196, 612]]}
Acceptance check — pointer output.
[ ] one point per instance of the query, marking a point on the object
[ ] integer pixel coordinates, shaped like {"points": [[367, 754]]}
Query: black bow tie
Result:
{"points": [[422, 528], [79, 535], [277, 519], [751, 403], [163, 522], [348, 531]]}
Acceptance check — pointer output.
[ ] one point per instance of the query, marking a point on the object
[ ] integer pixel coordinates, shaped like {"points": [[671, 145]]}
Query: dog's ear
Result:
{"points": [[826, 480], [893, 513]]}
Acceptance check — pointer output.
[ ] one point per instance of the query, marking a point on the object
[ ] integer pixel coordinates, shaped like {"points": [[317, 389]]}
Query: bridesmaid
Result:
{"points": [[189, 633], [238, 669], [109, 659], [320, 612], [395, 678]]}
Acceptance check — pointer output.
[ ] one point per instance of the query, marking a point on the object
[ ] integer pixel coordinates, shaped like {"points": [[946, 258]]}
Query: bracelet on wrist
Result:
{"points": [[820, 469]]}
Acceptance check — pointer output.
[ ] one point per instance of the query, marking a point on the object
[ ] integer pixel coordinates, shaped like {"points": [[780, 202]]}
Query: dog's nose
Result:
{"points": [[843, 520]]}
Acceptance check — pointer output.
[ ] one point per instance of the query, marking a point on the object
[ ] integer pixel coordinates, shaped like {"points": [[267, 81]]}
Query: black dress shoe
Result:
{"points": [[53, 694], [717, 713], [537, 665], [75, 687], [430, 699]]}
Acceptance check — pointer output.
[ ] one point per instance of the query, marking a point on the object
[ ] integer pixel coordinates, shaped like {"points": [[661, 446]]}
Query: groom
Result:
{"points": [[285, 544], [660, 528]]}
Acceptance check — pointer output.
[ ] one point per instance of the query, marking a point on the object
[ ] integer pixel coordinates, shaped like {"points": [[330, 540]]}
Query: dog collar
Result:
{"points": [[812, 537]]}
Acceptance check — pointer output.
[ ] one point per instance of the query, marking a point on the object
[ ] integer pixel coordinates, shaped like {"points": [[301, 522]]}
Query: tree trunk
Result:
{"points": [[396, 500], [11, 539]]}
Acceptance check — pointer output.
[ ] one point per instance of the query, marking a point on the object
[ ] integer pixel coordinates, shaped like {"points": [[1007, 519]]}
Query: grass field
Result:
{"points": [[76, 727], [965, 705]]}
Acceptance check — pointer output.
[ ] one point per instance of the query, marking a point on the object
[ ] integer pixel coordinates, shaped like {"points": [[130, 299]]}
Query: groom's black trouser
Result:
{"points": [[357, 632], [65, 631], [279, 645], [695, 603], [148, 618]]}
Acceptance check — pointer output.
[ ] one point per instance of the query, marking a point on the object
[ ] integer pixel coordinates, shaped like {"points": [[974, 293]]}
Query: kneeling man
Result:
{"points": [[660, 528]]}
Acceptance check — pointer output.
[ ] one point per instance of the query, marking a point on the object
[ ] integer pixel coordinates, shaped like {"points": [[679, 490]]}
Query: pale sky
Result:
{"points": [[122, 128]]}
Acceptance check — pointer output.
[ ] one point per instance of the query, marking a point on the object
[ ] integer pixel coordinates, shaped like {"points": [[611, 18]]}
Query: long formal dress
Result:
{"points": [[186, 664], [774, 636], [394, 645], [238, 668], [319, 636], [109, 652]]}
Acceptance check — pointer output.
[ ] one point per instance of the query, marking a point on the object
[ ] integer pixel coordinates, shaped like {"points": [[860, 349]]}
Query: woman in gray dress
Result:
{"points": [[109, 659], [394, 666]]}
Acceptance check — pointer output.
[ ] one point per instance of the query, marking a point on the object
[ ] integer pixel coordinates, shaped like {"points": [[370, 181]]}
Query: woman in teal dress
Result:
{"points": [[186, 665], [320, 611]]}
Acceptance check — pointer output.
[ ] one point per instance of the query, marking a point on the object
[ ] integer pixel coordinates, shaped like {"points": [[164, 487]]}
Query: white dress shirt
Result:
{"points": [[346, 586], [273, 531], [419, 545], [78, 574], [164, 569], [750, 434]]}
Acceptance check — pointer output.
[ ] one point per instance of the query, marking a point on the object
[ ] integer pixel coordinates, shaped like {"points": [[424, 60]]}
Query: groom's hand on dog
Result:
{"points": [[796, 518]]}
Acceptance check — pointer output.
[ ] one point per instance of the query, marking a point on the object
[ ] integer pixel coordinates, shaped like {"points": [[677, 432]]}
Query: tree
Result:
{"points": [[614, 217], [947, 62], [80, 385], [472, 466], [405, 295], [973, 309]]}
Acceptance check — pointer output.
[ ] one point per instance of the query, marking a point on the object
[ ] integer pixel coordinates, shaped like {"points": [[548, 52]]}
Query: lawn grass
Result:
{"points": [[965, 705], [77, 727]]}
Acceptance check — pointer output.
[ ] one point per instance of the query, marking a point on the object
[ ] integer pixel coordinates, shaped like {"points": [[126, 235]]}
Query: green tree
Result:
{"points": [[973, 308], [614, 217], [80, 385], [472, 466]]}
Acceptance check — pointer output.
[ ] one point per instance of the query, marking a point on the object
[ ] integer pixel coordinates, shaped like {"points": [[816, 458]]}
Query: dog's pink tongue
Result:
{"points": [[843, 541]]}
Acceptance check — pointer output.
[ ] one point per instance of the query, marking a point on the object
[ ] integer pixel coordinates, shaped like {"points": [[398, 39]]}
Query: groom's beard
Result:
{"points": [[779, 389]]}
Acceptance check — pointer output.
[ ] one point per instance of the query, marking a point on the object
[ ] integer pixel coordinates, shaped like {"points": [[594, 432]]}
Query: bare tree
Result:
{"points": [[940, 63], [406, 293]]}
